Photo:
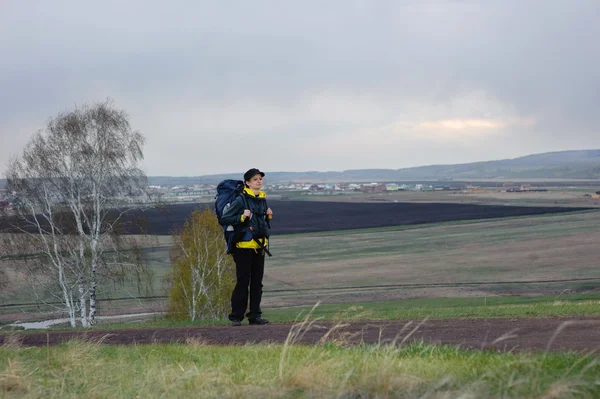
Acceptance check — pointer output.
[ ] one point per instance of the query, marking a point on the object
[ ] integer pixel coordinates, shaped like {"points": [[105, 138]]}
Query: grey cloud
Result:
{"points": [[537, 57]]}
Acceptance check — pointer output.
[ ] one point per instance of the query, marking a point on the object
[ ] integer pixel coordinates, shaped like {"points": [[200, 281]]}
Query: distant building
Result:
{"points": [[510, 187], [373, 188]]}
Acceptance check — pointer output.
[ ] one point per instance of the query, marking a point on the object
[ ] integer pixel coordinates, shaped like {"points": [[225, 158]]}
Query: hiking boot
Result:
{"points": [[258, 321], [236, 323]]}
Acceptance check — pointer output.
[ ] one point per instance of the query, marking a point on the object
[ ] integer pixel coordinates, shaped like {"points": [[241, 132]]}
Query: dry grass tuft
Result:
{"points": [[196, 341], [562, 389], [13, 341], [308, 376], [83, 350], [11, 381], [313, 373]]}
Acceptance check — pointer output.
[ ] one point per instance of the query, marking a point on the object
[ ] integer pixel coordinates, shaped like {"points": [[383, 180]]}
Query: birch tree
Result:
{"points": [[203, 274], [75, 181], [3, 267], [3, 278]]}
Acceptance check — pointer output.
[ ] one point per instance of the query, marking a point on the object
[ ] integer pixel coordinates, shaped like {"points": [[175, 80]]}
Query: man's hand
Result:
{"points": [[247, 213], [269, 212]]}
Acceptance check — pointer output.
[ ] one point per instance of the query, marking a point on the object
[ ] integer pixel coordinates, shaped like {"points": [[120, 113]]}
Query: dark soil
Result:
{"points": [[555, 334], [314, 216]]}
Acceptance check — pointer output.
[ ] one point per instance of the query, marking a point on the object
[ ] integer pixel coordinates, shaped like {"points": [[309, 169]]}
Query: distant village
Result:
{"points": [[194, 192], [189, 193], [207, 192]]}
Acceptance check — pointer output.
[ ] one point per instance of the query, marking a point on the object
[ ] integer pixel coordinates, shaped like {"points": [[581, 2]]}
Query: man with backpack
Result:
{"points": [[248, 219]]}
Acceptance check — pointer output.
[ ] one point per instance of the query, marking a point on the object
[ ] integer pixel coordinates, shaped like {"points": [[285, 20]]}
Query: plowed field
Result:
{"points": [[313, 216]]}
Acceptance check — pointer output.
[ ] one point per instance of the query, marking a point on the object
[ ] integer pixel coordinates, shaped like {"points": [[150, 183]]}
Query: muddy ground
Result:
{"points": [[555, 334]]}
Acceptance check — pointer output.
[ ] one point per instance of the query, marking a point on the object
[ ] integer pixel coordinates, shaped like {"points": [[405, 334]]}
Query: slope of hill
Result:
{"points": [[583, 164]]}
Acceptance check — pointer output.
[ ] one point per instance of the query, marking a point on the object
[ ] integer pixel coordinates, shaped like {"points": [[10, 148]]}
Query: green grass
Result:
{"points": [[397, 311], [413, 309], [448, 308], [89, 369]]}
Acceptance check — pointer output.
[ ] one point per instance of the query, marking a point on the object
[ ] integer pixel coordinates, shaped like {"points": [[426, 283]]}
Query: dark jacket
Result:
{"points": [[257, 227]]}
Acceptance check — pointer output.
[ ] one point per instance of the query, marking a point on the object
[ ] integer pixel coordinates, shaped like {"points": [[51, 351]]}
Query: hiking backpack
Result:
{"points": [[227, 192]]}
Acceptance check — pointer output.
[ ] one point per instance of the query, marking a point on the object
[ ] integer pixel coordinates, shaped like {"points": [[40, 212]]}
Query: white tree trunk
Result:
{"points": [[67, 297], [83, 305], [194, 302], [93, 285]]}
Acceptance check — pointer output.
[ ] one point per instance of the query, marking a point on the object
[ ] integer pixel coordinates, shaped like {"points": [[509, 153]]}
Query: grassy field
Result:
{"points": [[89, 369], [461, 259], [434, 308], [360, 275], [448, 308], [575, 305], [513, 250], [308, 267]]}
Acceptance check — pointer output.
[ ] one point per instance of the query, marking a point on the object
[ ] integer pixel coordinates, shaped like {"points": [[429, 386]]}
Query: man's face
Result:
{"points": [[256, 182]]}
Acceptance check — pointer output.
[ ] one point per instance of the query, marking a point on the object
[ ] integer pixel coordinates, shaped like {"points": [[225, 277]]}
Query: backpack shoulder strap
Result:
{"points": [[244, 200], [267, 216]]}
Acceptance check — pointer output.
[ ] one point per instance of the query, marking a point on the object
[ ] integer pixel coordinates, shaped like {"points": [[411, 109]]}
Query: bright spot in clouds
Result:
{"points": [[462, 124]]}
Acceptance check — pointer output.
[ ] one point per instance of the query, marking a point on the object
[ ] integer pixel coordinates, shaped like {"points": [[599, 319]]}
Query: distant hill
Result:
{"points": [[583, 164]]}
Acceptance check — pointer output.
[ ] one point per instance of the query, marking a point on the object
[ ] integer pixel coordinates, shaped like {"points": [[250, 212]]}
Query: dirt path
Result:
{"points": [[577, 334]]}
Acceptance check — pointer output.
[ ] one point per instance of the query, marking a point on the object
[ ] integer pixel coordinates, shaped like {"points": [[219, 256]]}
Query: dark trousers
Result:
{"points": [[249, 270]]}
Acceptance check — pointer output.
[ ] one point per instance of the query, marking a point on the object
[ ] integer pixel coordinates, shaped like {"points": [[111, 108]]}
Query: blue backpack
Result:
{"points": [[227, 192]]}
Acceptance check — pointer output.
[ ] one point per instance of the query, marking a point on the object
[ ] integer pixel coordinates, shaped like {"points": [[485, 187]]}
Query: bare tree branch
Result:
{"points": [[75, 181]]}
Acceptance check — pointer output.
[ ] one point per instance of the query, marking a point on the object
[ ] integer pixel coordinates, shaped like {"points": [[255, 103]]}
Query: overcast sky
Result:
{"points": [[223, 86]]}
